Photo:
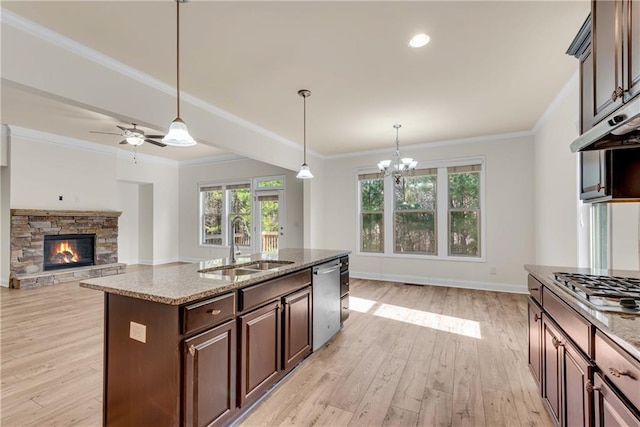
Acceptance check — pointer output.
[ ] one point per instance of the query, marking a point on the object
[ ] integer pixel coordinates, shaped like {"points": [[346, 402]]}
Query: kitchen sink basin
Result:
{"points": [[266, 265], [245, 269]]}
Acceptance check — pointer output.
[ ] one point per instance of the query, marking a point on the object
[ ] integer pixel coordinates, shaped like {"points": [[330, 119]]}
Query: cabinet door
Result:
{"points": [[576, 405], [551, 369], [607, 56], [260, 351], [609, 408], [210, 376], [535, 334], [297, 327], [586, 92], [631, 43], [592, 175]]}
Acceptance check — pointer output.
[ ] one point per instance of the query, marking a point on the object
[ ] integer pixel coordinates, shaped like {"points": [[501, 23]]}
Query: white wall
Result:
{"points": [[128, 238], [556, 188], [89, 177], [509, 215], [624, 236], [192, 175]]}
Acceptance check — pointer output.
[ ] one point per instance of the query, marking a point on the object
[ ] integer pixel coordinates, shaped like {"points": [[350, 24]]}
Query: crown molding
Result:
{"points": [[472, 140], [29, 27]]}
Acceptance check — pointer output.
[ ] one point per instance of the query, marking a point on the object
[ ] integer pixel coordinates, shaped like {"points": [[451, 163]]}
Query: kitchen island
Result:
{"points": [[584, 353], [197, 344]]}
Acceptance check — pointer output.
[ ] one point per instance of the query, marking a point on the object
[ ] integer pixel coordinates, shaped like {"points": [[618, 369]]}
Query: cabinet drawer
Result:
{"points": [[535, 289], [344, 308], [344, 283], [344, 264], [208, 313], [610, 410], [575, 326], [618, 367], [256, 295]]}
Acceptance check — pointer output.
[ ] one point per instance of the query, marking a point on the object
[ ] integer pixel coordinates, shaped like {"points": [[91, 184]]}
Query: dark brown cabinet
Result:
{"points": [[260, 351], [616, 58], [566, 373], [209, 369], [609, 408], [600, 183], [297, 327], [535, 337]]}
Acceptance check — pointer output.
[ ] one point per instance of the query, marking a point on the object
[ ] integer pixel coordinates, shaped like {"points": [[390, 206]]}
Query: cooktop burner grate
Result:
{"points": [[601, 286]]}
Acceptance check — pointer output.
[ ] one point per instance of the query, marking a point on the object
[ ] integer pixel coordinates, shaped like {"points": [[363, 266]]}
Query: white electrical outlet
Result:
{"points": [[493, 270], [138, 332]]}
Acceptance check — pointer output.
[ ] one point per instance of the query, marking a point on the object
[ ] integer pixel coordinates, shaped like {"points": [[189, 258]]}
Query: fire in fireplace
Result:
{"points": [[68, 251]]}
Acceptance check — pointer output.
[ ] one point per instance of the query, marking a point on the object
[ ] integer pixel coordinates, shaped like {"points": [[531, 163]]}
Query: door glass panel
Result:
{"points": [[270, 229]]}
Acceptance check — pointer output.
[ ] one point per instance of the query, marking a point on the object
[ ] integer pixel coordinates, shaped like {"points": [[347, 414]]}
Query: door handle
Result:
{"points": [[326, 270]]}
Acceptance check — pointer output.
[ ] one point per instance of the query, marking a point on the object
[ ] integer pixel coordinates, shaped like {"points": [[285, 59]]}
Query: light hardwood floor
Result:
{"points": [[408, 355]]}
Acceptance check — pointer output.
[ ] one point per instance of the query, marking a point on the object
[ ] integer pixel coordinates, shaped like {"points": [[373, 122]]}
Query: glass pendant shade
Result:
{"points": [[178, 135], [305, 172]]}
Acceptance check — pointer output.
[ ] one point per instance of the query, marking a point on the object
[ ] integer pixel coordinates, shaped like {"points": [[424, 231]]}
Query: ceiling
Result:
{"points": [[490, 68]]}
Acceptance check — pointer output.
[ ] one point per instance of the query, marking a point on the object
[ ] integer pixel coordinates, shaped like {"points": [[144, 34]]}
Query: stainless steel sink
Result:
{"points": [[245, 269], [267, 265]]}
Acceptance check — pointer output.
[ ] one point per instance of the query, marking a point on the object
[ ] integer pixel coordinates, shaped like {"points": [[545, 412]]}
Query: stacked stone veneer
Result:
{"points": [[28, 228]]}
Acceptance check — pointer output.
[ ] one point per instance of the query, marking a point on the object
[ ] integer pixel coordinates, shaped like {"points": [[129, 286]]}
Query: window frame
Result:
{"points": [[442, 212], [225, 210]]}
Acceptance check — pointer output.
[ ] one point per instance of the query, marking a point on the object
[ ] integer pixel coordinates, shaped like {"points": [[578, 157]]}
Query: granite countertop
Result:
{"points": [[622, 328], [180, 284]]}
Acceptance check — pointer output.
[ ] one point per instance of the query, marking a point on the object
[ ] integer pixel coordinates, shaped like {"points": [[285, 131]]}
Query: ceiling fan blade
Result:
{"points": [[154, 136], [106, 133], [124, 141], [123, 128], [158, 143]]}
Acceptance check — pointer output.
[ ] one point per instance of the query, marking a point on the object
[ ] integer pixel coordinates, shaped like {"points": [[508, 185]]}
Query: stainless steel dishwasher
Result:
{"points": [[326, 302]]}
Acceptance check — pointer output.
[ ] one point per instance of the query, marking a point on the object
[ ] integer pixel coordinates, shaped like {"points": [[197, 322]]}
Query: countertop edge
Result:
{"points": [[218, 286]]}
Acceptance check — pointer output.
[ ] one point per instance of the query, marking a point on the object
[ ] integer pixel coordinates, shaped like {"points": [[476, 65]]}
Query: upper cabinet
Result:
{"points": [[615, 56]]}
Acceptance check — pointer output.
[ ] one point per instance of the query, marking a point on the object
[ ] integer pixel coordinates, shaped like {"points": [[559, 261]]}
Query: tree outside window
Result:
{"points": [[371, 213], [415, 214], [464, 210], [211, 205]]}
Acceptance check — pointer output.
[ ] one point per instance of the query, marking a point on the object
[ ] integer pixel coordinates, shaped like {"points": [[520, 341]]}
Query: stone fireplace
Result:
{"points": [[49, 246]]}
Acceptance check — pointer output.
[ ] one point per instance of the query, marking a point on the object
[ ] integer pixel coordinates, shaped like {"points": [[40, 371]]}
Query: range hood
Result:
{"points": [[620, 130]]}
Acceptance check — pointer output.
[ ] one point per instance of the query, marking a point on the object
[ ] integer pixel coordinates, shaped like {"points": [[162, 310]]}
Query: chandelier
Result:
{"points": [[398, 167]]}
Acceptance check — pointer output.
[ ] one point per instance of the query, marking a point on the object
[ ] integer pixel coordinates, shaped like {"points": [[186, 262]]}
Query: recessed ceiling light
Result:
{"points": [[419, 40]]}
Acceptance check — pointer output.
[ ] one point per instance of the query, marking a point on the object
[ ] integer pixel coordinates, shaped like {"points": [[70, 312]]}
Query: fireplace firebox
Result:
{"points": [[68, 251]]}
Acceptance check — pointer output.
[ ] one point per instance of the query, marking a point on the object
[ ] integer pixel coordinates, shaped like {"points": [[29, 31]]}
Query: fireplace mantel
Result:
{"points": [[28, 228]]}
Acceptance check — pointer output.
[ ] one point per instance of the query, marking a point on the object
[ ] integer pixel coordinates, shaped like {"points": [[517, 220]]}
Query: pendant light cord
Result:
{"points": [[304, 127], [178, 55]]}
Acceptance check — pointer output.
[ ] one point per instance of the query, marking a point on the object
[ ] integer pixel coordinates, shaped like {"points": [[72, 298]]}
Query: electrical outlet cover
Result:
{"points": [[138, 332]]}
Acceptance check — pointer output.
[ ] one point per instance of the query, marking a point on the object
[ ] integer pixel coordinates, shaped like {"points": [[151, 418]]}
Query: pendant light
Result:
{"points": [[305, 172], [399, 167], [178, 135]]}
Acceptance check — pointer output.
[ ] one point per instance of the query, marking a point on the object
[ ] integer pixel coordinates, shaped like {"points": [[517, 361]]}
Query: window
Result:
{"points": [[371, 212], [415, 213], [434, 213], [464, 210], [220, 203]]}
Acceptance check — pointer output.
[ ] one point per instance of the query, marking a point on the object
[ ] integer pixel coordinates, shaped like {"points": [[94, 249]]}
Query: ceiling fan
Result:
{"points": [[134, 136]]}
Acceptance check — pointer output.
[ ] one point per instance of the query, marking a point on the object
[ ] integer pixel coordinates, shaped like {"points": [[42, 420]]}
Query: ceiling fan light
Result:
{"points": [[178, 135], [305, 172], [135, 140]]}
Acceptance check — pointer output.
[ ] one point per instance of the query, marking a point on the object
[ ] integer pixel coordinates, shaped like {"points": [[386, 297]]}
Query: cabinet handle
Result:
{"points": [[536, 317], [214, 312], [556, 342], [589, 387], [617, 93], [616, 373], [599, 187], [534, 289], [192, 350]]}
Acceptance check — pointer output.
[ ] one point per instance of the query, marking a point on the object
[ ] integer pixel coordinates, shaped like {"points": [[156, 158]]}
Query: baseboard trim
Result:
{"points": [[192, 260], [435, 281], [4, 283]]}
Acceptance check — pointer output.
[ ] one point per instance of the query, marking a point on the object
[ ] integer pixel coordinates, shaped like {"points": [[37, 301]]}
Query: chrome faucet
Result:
{"points": [[232, 246]]}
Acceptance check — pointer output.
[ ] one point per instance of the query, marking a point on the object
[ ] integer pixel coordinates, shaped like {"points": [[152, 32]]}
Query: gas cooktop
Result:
{"points": [[605, 293]]}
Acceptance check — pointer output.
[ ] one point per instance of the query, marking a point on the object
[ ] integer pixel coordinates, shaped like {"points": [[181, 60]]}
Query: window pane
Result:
{"points": [[415, 232], [463, 233], [464, 190], [372, 195], [371, 234], [211, 217], [240, 204], [417, 192], [271, 183]]}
